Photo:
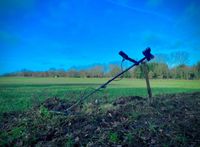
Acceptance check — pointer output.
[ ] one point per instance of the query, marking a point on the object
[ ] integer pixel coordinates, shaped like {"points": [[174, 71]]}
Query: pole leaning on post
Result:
{"points": [[147, 56], [145, 69]]}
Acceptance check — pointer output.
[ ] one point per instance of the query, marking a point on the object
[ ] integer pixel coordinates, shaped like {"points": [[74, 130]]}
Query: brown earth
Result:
{"points": [[171, 120]]}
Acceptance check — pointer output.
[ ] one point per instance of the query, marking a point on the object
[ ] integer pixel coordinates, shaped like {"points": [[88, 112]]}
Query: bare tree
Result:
{"points": [[161, 58], [114, 69], [179, 58], [173, 59], [96, 71]]}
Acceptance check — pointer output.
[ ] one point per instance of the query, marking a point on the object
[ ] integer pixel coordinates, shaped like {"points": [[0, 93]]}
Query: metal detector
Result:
{"points": [[147, 56]]}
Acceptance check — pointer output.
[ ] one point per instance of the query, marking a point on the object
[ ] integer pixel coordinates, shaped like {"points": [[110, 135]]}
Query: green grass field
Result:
{"points": [[18, 94]]}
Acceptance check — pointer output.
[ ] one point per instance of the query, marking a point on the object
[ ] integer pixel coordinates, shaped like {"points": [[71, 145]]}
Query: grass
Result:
{"points": [[18, 94]]}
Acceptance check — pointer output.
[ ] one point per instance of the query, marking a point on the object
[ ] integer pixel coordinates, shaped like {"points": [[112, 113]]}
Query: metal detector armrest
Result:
{"points": [[147, 54]]}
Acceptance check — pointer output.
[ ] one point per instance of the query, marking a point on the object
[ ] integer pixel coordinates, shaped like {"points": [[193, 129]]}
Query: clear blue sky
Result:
{"points": [[40, 34]]}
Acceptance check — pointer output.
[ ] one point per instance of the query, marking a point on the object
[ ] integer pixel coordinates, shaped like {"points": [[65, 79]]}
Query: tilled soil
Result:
{"points": [[170, 120]]}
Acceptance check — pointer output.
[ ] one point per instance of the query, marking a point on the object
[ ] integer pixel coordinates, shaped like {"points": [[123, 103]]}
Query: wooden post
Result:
{"points": [[145, 69]]}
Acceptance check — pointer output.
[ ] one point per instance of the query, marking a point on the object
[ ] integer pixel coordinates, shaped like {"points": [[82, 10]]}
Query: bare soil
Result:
{"points": [[171, 120]]}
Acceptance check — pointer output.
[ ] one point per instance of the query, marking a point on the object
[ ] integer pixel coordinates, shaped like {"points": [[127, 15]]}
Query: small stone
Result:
{"points": [[98, 129], [96, 101], [77, 139], [153, 141]]}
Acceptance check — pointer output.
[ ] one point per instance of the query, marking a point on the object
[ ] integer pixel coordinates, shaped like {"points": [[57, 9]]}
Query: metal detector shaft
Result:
{"points": [[148, 57], [105, 84]]}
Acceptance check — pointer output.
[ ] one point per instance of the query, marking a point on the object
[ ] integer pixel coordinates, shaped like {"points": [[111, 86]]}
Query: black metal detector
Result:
{"points": [[147, 56]]}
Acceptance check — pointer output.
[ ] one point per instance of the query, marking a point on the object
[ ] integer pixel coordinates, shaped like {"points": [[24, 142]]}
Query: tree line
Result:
{"points": [[156, 71]]}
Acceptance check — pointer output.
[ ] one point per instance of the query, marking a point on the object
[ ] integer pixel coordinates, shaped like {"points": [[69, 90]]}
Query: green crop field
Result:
{"points": [[18, 94]]}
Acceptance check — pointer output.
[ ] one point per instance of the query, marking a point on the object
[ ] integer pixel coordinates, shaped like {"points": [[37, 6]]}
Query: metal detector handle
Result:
{"points": [[125, 56]]}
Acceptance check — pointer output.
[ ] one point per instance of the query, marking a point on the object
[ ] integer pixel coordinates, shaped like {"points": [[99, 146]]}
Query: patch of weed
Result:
{"points": [[7, 137], [152, 127], [69, 142], [44, 112], [135, 115], [113, 137]]}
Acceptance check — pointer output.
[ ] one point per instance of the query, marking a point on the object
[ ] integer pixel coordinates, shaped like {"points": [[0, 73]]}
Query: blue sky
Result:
{"points": [[38, 35]]}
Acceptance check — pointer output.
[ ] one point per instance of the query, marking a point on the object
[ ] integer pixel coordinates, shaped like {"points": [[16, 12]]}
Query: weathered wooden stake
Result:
{"points": [[145, 69]]}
